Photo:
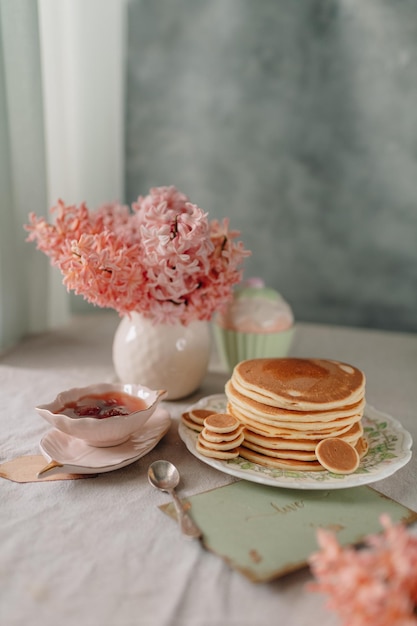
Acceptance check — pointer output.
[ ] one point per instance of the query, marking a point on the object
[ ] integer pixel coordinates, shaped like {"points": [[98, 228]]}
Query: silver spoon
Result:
{"points": [[165, 476]]}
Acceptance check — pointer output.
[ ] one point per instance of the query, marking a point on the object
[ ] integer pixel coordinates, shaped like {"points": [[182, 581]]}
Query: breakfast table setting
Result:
{"points": [[105, 549], [195, 454]]}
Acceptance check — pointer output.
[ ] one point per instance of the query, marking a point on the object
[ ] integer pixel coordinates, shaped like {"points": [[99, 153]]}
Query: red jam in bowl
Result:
{"points": [[103, 405]]}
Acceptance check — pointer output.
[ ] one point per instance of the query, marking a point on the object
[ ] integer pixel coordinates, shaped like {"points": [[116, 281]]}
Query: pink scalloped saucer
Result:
{"points": [[68, 454]]}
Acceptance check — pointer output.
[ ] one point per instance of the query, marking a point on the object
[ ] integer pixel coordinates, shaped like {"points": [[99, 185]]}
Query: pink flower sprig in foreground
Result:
{"points": [[163, 259], [373, 586]]}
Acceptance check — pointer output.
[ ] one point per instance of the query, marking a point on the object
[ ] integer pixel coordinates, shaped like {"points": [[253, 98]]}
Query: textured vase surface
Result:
{"points": [[162, 356]]}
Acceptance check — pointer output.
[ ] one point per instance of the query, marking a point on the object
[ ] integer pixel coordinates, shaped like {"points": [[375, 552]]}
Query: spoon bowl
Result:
{"points": [[164, 476]]}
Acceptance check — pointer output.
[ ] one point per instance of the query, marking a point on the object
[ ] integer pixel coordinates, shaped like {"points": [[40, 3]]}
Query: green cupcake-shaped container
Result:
{"points": [[257, 323]]}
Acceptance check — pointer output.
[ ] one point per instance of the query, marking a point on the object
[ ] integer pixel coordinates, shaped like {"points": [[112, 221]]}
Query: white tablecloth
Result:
{"points": [[99, 552]]}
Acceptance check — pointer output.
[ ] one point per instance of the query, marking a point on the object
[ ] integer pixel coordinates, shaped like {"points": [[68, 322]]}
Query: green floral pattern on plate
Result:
{"points": [[389, 450]]}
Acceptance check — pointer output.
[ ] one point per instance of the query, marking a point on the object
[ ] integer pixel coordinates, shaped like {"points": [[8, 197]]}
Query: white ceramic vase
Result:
{"points": [[162, 356]]}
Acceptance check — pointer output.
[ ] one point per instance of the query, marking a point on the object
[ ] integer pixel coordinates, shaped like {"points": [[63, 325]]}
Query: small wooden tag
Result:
{"points": [[24, 469]]}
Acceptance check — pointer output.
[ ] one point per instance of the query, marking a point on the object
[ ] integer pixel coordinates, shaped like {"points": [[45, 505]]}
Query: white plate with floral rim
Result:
{"points": [[68, 454], [389, 450]]}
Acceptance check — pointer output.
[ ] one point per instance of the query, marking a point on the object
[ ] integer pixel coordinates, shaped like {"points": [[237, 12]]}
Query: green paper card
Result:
{"points": [[265, 532]]}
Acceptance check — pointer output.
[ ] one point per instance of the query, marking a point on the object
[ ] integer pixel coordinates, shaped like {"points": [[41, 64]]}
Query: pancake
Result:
{"points": [[303, 384], [308, 426], [199, 415], [194, 419], [279, 443], [221, 423], [353, 436], [186, 419], [337, 456], [272, 413], [299, 455], [218, 437], [285, 464], [275, 431], [221, 445], [217, 454]]}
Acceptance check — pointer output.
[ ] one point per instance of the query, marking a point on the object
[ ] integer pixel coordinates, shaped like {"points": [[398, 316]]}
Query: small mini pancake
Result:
{"points": [[185, 418], [286, 464], [221, 423], [221, 445], [199, 415], [218, 437], [217, 454], [337, 456]]}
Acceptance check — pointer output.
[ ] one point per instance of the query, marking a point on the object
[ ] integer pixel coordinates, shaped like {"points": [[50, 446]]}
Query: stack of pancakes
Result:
{"points": [[220, 437], [289, 405]]}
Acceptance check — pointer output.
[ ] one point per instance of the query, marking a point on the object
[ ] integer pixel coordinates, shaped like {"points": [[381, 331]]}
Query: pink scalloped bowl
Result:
{"points": [[101, 433]]}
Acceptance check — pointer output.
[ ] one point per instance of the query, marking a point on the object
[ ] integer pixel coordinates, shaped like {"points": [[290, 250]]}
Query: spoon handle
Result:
{"points": [[187, 525]]}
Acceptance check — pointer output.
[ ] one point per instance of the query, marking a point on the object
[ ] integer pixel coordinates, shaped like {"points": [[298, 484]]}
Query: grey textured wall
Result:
{"points": [[298, 120]]}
